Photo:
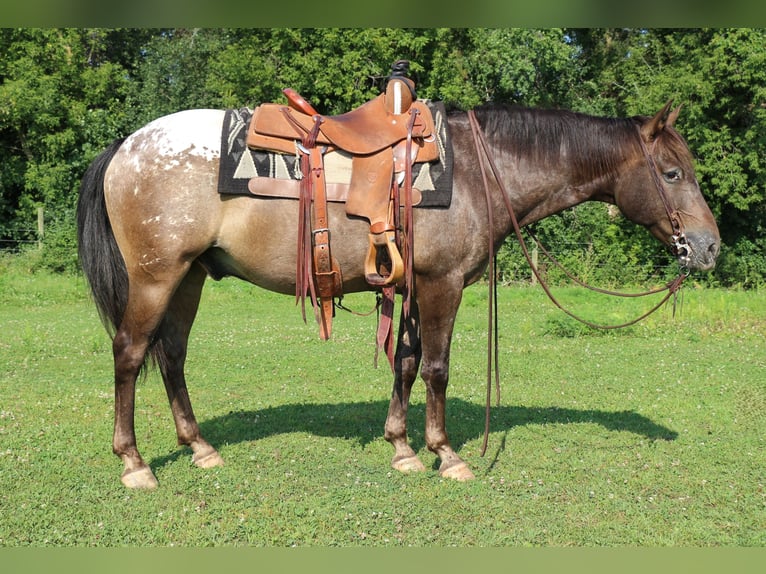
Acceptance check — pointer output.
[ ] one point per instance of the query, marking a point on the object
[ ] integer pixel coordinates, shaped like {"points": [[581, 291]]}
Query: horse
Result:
{"points": [[152, 227]]}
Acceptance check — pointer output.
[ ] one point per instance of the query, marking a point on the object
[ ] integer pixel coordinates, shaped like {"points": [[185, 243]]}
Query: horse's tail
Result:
{"points": [[100, 258]]}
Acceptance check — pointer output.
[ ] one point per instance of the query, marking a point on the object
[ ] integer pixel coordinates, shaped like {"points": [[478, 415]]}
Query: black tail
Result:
{"points": [[100, 257]]}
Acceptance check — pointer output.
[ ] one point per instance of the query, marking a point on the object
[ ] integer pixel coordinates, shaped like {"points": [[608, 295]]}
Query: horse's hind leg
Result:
{"points": [[406, 369], [160, 310], [173, 337], [146, 307]]}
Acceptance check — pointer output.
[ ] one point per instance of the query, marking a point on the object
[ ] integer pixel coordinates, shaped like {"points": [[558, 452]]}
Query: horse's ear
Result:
{"points": [[673, 116], [655, 125]]}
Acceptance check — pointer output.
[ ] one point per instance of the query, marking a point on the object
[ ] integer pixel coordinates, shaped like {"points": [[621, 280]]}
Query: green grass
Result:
{"points": [[651, 436]]}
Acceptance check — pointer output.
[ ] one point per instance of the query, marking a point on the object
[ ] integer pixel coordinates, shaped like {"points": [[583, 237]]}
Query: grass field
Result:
{"points": [[650, 436]]}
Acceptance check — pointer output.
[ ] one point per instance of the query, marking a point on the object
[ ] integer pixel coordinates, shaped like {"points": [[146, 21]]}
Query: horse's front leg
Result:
{"points": [[439, 302], [407, 361]]}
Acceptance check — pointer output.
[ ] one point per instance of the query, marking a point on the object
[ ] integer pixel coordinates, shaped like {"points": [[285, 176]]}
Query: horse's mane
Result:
{"points": [[594, 146]]}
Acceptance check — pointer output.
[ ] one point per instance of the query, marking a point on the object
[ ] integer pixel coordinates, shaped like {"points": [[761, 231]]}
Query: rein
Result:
{"points": [[679, 248], [672, 287]]}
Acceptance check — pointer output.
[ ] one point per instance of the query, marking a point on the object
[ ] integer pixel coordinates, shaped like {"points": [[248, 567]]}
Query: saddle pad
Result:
{"points": [[239, 163]]}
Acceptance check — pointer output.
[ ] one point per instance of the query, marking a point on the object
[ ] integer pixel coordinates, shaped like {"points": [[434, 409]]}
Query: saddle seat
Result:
{"points": [[364, 130]]}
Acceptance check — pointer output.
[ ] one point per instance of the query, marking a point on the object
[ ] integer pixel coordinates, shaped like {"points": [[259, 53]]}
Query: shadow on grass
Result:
{"points": [[364, 422]]}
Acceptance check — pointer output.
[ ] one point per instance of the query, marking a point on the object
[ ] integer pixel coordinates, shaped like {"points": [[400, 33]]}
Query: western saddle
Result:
{"points": [[384, 138]]}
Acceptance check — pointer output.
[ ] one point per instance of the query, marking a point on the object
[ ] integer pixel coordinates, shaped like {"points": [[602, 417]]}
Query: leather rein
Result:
{"points": [[678, 244]]}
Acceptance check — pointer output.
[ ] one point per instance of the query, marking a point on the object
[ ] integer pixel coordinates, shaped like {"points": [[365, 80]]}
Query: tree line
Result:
{"points": [[66, 93]]}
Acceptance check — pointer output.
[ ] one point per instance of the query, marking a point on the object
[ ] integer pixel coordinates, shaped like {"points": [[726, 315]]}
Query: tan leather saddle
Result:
{"points": [[384, 138]]}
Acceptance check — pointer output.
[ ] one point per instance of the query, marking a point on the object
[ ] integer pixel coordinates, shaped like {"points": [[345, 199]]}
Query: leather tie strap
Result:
{"points": [[675, 220], [316, 273], [403, 236], [409, 228], [304, 283], [323, 268]]}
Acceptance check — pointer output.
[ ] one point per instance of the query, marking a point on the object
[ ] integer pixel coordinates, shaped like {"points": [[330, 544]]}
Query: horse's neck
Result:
{"points": [[535, 191], [535, 201], [539, 185]]}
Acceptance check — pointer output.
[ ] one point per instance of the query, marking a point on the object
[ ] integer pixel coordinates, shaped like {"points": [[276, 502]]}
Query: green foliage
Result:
{"points": [[334, 69], [532, 67], [745, 262], [59, 248], [593, 242], [172, 76], [66, 93], [60, 103]]}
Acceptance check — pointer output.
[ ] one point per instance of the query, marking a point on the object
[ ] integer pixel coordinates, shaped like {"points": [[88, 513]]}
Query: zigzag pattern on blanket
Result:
{"points": [[239, 164]]}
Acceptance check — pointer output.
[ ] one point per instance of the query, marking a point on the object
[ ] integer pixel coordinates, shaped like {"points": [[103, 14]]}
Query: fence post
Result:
{"points": [[40, 227], [534, 262]]}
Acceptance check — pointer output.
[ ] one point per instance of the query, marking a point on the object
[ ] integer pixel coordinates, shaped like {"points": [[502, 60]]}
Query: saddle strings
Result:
{"points": [[404, 227], [304, 282]]}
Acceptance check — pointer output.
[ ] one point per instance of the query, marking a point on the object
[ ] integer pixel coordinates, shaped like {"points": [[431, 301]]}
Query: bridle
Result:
{"points": [[678, 245]]}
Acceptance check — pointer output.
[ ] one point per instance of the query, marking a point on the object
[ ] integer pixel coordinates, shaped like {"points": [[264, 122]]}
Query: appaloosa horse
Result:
{"points": [[152, 226]]}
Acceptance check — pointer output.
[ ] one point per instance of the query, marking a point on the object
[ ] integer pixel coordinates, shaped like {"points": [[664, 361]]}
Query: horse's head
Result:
{"points": [[659, 190]]}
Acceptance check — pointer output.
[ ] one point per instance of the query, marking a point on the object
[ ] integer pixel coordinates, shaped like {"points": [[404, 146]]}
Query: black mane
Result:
{"points": [[593, 146]]}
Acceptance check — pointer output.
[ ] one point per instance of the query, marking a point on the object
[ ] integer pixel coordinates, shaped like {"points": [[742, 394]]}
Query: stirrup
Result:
{"points": [[383, 265]]}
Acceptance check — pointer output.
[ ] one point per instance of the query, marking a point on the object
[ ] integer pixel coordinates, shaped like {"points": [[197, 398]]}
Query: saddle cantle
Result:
{"points": [[383, 137]]}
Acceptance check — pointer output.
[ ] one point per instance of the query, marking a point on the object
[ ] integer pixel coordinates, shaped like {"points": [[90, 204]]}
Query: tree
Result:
{"points": [[60, 103], [529, 67], [334, 69], [66, 93]]}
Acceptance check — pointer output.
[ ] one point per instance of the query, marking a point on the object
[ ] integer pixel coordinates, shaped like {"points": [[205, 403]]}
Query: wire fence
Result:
{"points": [[583, 260], [16, 245], [16, 238]]}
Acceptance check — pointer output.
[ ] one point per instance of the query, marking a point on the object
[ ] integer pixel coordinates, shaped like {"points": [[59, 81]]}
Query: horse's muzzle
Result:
{"points": [[696, 251]]}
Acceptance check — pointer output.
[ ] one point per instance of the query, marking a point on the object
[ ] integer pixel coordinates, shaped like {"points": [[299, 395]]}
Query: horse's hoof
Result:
{"points": [[459, 471], [208, 460], [141, 477], [408, 464]]}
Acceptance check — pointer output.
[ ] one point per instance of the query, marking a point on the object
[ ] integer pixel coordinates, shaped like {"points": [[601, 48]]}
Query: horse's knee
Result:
{"points": [[408, 368], [435, 374]]}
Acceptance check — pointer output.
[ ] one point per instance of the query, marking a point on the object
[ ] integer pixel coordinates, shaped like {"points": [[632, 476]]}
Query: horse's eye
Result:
{"points": [[673, 175]]}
